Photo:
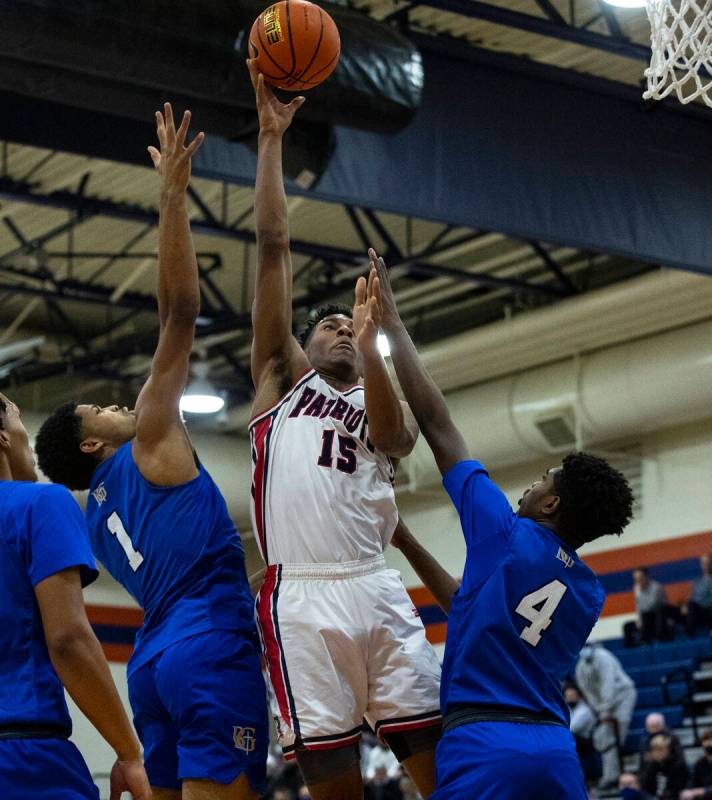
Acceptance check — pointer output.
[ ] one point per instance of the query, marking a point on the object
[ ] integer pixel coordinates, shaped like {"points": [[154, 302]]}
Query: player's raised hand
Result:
{"points": [[129, 776], [387, 301], [275, 117], [367, 312], [172, 161]]}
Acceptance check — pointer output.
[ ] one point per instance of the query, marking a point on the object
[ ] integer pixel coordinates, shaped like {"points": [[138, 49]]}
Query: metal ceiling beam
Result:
{"points": [[544, 27], [89, 206]]}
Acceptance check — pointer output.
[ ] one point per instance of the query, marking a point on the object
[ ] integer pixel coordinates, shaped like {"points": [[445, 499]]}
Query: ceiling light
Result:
{"points": [[383, 345], [627, 3], [201, 397]]}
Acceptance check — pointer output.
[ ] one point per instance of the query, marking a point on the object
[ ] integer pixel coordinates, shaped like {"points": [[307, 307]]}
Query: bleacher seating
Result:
{"points": [[674, 664]]}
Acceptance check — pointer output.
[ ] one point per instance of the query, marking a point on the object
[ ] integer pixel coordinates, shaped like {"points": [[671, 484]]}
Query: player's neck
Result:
{"points": [[339, 382]]}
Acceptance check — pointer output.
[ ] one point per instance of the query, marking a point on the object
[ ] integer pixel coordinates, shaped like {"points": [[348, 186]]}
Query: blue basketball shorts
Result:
{"points": [[508, 761], [200, 711], [44, 769]]}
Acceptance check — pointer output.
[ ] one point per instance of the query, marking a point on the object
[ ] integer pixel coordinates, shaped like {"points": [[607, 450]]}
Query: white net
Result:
{"points": [[681, 41]]}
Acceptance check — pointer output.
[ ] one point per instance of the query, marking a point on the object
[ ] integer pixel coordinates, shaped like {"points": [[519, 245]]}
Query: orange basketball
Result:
{"points": [[296, 45]]}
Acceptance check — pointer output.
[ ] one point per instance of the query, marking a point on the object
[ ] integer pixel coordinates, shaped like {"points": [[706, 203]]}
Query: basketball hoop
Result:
{"points": [[681, 41]]}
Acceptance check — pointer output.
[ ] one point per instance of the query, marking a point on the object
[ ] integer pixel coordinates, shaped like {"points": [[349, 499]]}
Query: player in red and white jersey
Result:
{"points": [[341, 638]]}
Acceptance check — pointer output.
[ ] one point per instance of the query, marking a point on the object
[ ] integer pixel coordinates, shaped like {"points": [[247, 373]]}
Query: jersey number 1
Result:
{"points": [[116, 526], [538, 607]]}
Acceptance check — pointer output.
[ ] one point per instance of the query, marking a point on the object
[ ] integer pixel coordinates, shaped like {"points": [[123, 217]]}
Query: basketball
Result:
{"points": [[296, 45]]}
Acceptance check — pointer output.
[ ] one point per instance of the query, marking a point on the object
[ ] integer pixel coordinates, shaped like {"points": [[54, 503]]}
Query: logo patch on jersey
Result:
{"points": [[99, 493], [562, 555], [415, 611], [244, 738]]}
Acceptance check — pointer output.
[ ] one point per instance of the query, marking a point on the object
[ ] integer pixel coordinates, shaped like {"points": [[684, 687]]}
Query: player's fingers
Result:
{"points": [[161, 129], [170, 122], [296, 104], [369, 284], [155, 156], [252, 69], [183, 130], [376, 291], [195, 144], [360, 291]]}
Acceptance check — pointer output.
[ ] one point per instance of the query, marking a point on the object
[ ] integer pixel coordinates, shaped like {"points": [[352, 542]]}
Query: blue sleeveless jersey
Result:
{"points": [[174, 548], [525, 608]]}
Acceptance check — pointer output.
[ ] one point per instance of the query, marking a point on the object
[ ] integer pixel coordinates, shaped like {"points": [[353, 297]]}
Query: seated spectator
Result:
{"points": [[655, 615], [611, 694], [699, 607], [655, 723], [701, 780], [630, 788], [582, 724], [382, 787], [665, 773]]}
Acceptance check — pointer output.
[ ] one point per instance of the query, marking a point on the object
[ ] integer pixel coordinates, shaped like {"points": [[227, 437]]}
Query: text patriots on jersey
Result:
{"points": [[562, 555], [99, 493], [318, 405]]}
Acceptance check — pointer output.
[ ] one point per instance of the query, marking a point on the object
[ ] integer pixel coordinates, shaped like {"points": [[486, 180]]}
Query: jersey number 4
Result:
{"points": [[116, 526], [538, 607]]}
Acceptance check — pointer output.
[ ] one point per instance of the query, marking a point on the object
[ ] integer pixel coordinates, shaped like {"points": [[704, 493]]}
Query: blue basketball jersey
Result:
{"points": [[525, 608], [42, 532], [174, 548]]}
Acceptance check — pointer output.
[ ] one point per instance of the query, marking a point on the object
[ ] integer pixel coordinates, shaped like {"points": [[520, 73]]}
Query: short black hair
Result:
{"points": [[316, 316], [594, 498], [58, 452]]}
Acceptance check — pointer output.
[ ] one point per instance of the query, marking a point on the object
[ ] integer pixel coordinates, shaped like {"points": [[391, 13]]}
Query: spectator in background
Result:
{"points": [[381, 756], [655, 615], [665, 772], [582, 724], [655, 724], [630, 788], [382, 786], [701, 779], [612, 695], [699, 606]]}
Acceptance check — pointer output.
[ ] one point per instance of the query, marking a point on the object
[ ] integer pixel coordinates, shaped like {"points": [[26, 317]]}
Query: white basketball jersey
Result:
{"points": [[321, 493]]}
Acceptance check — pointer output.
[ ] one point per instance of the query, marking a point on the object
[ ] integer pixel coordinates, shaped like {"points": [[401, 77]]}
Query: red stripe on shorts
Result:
{"points": [[273, 652]]}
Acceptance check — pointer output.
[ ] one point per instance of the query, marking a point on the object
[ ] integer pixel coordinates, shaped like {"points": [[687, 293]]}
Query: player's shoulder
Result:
{"points": [[20, 499]]}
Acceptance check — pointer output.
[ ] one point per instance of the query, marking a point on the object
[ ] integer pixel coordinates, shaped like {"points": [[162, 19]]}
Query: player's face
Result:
{"points": [[112, 425], [17, 443], [535, 496], [332, 346]]}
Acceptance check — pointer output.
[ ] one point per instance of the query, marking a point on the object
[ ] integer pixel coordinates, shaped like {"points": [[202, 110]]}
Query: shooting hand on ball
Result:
{"points": [[275, 117], [172, 161]]}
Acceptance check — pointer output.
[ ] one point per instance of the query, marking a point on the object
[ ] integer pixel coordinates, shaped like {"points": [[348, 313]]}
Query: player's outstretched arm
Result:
{"points": [[81, 666], [426, 401], [162, 450], [435, 578], [391, 425], [276, 355]]}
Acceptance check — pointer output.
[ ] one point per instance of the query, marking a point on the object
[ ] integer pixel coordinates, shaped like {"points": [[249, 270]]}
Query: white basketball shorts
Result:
{"points": [[344, 643]]}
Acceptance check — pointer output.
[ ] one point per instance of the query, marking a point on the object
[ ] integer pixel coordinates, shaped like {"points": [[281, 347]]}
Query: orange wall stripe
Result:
{"points": [[115, 615], [118, 653], [644, 555], [624, 602], [436, 633]]}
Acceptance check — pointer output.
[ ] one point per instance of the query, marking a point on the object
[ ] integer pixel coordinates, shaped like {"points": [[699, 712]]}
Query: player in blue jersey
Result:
{"points": [[160, 526], [525, 607], [46, 640]]}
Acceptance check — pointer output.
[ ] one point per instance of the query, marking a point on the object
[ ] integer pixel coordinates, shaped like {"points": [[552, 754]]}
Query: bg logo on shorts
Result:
{"points": [[244, 738]]}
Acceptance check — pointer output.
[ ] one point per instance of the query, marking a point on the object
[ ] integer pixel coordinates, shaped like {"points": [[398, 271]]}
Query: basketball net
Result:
{"points": [[681, 41]]}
